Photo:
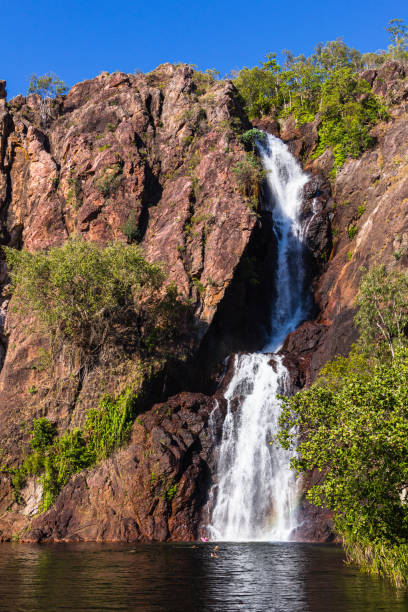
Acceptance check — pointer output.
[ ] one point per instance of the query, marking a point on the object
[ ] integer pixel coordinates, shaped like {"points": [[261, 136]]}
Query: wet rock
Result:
{"points": [[271, 126]]}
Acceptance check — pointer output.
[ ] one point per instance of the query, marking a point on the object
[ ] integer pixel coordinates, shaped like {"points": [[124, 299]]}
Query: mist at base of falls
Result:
{"points": [[256, 494]]}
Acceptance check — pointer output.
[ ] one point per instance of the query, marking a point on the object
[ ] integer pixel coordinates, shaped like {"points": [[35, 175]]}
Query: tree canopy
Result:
{"points": [[325, 86], [47, 85], [86, 296], [351, 426]]}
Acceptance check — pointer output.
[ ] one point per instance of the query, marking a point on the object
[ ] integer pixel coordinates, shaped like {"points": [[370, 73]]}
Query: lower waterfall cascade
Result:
{"points": [[256, 495]]}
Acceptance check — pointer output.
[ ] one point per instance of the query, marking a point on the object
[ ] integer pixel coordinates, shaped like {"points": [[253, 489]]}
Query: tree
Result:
{"points": [[382, 302], [398, 32], [336, 54], [356, 435], [47, 85], [81, 293]]}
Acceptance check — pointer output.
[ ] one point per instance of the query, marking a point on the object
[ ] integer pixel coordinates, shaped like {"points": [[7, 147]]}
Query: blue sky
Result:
{"points": [[79, 39]]}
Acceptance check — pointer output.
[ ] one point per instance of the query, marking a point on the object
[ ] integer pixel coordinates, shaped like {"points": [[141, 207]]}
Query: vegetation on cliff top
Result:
{"points": [[352, 426], [325, 87], [48, 85]]}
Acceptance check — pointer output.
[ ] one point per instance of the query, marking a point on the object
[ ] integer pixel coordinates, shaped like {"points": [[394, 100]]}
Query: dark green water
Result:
{"points": [[179, 577]]}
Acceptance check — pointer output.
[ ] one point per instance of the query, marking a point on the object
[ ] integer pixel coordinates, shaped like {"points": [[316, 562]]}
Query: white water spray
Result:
{"points": [[256, 494]]}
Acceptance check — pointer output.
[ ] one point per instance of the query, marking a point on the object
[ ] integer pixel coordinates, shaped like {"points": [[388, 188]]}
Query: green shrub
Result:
{"points": [[110, 180], [56, 460], [249, 174], [79, 292], [361, 210], [74, 193], [42, 434], [108, 427], [131, 228], [352, 231], [104, 148], [171, 492], [348, 110], [250, 137]]}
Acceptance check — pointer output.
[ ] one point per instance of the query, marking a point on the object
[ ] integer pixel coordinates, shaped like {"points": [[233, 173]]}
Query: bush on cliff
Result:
{"points": [[326, 85], [249, 175], [85, 296], [352, 427], [55, 459]]}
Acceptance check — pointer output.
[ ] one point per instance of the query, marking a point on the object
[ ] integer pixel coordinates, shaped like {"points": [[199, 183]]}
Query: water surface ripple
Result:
{"points": [[275, 577]]}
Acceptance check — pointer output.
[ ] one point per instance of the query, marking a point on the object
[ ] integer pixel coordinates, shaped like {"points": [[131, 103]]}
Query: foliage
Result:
{"points": [[42, 435], [56, 460], [171, 492], [203, 81], [74, 192], [382, 302], [352, 231], [251, 137], [131, 228], [384, 559], [361, 210], [398, 32], [47, 85], [356, 434], [80, 291], [348, 109], [325, 85], [109, 425], [110, 180], [352, 427], [249, 174]]}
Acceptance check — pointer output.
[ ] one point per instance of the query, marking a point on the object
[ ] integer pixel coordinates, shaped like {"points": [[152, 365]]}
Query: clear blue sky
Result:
{"points": [[79, 39]]}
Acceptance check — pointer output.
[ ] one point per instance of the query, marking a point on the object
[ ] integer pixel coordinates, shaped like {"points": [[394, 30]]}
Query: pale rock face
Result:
{"points": [[32, 495]]}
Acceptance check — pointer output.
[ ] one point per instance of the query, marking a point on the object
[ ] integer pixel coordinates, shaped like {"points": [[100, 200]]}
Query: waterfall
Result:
{"points": [[256, 494]]}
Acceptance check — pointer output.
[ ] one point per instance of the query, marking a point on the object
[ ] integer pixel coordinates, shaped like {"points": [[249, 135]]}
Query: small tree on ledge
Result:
{"points": [[47, 85]]}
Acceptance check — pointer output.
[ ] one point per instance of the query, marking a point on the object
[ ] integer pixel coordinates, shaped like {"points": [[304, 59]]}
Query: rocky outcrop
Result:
{"points": [[153, 489], [150, 158], [145, 158]]}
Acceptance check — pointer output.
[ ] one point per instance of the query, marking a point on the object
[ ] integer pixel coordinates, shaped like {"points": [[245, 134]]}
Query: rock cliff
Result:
{"points": [[146, 158], [368, 209], [150, 158]]}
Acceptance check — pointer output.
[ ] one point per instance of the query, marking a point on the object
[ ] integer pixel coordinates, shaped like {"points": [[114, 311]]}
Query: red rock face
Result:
{"points": [[151, 157], [153, 489], [121, 157]]}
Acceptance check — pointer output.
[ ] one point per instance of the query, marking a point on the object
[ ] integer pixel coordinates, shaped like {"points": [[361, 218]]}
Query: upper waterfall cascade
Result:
{"points": [[256, 494]]}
